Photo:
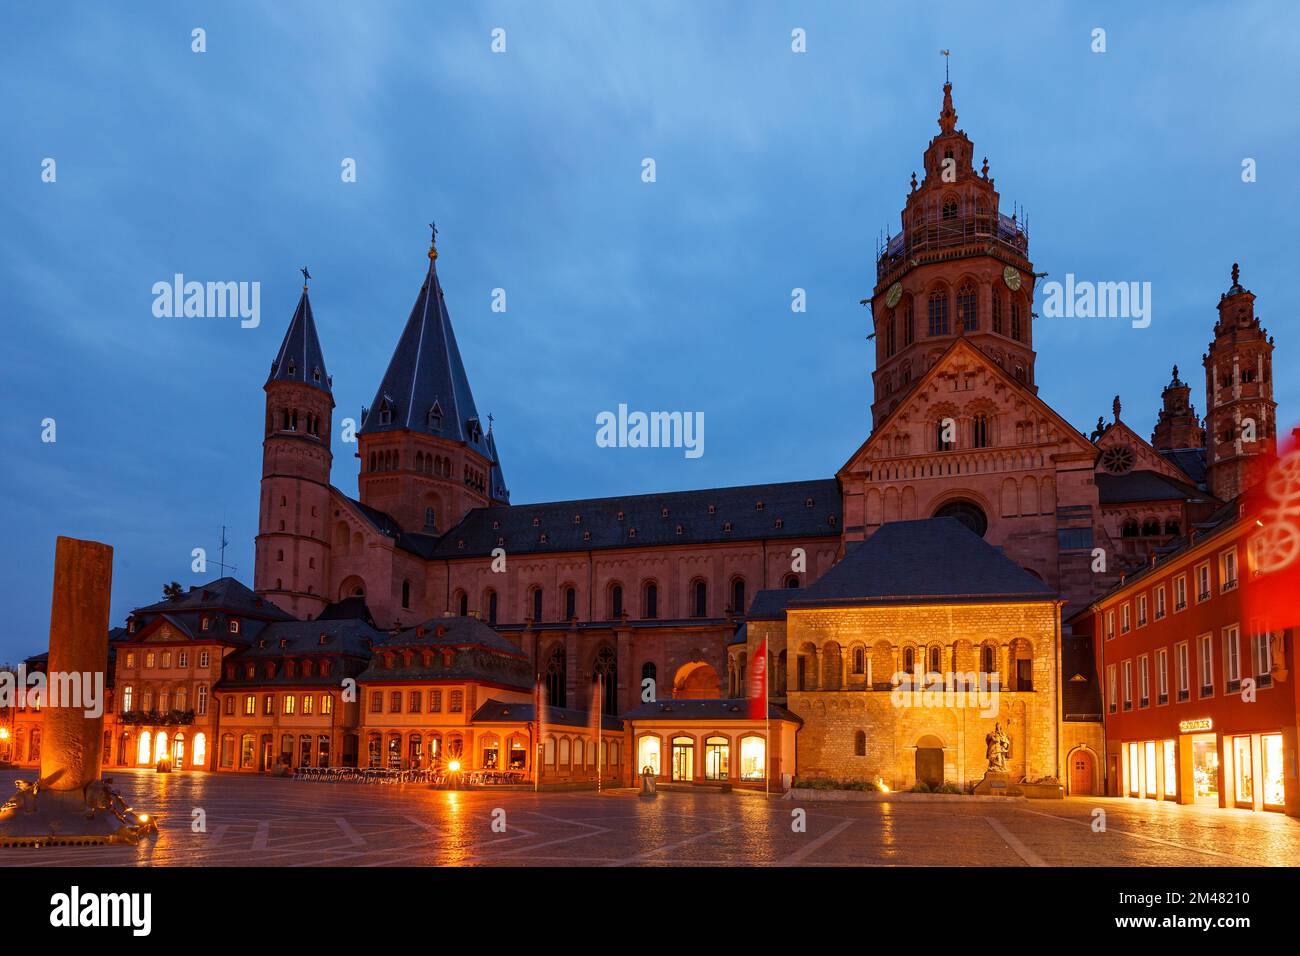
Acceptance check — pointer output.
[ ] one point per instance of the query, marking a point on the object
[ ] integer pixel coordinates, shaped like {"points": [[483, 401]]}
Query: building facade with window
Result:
{"points": [[1199, 707]]}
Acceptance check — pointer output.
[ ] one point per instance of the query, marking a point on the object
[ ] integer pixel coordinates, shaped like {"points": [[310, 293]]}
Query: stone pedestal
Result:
{"points": [[996, 783]]}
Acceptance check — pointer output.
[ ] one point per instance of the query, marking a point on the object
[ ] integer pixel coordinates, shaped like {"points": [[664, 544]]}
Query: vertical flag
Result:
{"points": [[757, 681], [1272, 573]]}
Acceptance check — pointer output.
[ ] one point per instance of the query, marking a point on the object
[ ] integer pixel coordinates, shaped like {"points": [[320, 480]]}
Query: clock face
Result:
{"points": [[1011, 277], [894, 294]]}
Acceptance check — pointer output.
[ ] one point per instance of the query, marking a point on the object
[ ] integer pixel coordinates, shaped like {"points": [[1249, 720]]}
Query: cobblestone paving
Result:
{"points": [[257, 821]]}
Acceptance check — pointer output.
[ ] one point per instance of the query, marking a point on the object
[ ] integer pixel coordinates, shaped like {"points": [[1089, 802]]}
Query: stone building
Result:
{"points": [[639, 601]]}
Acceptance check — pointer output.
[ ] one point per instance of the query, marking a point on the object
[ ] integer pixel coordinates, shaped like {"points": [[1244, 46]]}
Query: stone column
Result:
{"points": [[72, 743]]}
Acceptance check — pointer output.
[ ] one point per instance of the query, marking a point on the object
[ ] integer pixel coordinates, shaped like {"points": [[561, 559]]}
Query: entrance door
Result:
{"points": [[1081, 773], [268, 759], [683, 758], [929, 765]]}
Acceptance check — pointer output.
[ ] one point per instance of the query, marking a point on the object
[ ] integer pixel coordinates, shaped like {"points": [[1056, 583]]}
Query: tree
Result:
{"points": [[173, 591]]}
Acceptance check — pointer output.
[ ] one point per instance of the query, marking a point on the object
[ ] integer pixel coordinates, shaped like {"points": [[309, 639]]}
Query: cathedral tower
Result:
{"points": [[1240, 423], [1177, 425], [426, 458], [958, 267], [292, 551]]}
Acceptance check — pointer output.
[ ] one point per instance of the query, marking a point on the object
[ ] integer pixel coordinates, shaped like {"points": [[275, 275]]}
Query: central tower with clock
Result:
{"points": [[958, 267]]}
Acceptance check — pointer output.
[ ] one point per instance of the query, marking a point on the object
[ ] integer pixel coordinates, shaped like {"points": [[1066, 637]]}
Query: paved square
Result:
{"points": [[260, 821]]}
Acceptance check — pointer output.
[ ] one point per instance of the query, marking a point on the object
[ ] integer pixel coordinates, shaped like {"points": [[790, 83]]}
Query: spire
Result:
{"points": [[497, 490], [300, 358], [948, 115], [425, 387]]}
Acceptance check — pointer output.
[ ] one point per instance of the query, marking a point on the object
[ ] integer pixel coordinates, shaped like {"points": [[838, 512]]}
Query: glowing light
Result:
{"points": [[454, 766], [4, 733], [142, 817], [884, 787]]}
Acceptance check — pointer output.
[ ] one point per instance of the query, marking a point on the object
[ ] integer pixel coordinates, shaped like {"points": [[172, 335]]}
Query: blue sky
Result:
{"points": [[774, 171]]}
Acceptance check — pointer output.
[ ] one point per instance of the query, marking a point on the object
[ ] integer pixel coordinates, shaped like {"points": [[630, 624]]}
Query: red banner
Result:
{"points": [[757, 681], [1271, 594]]}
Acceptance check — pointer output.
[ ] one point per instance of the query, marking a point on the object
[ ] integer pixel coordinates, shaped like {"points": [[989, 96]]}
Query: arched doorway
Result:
{"points": [[929, 761], [967, 512], [697, 680], [1081, 773]]}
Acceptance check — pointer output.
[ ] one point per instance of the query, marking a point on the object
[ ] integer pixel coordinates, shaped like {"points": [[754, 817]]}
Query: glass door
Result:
{"points": [[683, 758]]}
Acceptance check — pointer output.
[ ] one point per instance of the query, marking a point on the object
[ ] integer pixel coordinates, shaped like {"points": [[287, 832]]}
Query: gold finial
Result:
{"points": [[433, 242]]}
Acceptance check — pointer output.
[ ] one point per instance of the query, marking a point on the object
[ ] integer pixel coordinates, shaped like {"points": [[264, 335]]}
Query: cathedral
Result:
{"points": [[947, 554]]}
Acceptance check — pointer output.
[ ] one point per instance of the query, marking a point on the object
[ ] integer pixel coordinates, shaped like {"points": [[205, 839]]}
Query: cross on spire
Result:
{"points": [[305, 277], [433, 240]]}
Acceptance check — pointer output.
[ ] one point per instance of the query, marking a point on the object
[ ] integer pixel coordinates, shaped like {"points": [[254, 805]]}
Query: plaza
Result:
{"points": [[263, 821]]}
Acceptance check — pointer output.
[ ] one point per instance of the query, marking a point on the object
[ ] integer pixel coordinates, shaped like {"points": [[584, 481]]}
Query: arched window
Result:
{"points": [[615, 601], [738, 596], [1151, 527], [859, 660], [909, 659], [570, 603], [406, 594], [650, 672], [935, 662], [979, 427], [699, 599], [462, 604], [944, 439], [967, 309], [938, 313], [891, 333], [430, 520], [556, 684], [791, 581], [1015, 320], [998, 327], [491, 603], [909, 327], [986, 659], [605, 670], [650, 603], [950, 202], [1171, 526], [537, 603], [717, 758], [860, 744]]}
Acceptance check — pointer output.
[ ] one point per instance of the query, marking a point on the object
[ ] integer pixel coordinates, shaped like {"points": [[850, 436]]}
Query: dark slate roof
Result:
{"points": [[416, 543], [426, 372], [1143, 486], [786, 501], [741, 636], [501, 712], [770, 604], [349, 609], [721, 708], [300, 358], [304, 637], [497, 489], [223, 594], [1191, 461], [1080, 699], [934, 559], [481, 654]]}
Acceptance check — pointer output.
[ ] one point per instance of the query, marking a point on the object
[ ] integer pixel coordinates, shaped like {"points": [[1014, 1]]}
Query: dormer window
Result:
{"points": [[620, 516], [292, 367], [758, 506], [681, 529], [315, 374], [541, 538], [780, 522], [577, 519], [726, 527], [501, 541], [807, 502], [322, 639], [586, 536], [830, 520], [631, 532], [663, 513], [262, 644], [203, 623], [537, 522], [495, 524], [284, 642], [234, 627], [460, 544], [435, 416], [385, 412], [713, 509]]}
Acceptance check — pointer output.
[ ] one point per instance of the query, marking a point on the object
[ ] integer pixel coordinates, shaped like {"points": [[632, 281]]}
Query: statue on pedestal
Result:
{"points": [[998, 747]]}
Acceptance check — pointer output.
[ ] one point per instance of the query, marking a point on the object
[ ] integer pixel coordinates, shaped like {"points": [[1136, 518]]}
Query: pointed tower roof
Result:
{"points": [[300, 358], [497, 490], [425, 388]]}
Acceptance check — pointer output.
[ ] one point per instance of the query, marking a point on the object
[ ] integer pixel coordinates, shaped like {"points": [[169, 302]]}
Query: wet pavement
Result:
{"points": [[226, 820]]}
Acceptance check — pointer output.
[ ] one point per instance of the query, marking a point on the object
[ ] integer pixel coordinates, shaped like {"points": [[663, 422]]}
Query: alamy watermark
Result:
{"points": [[209, 300], [1083, 299], [651, 430], [85, 690]]}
